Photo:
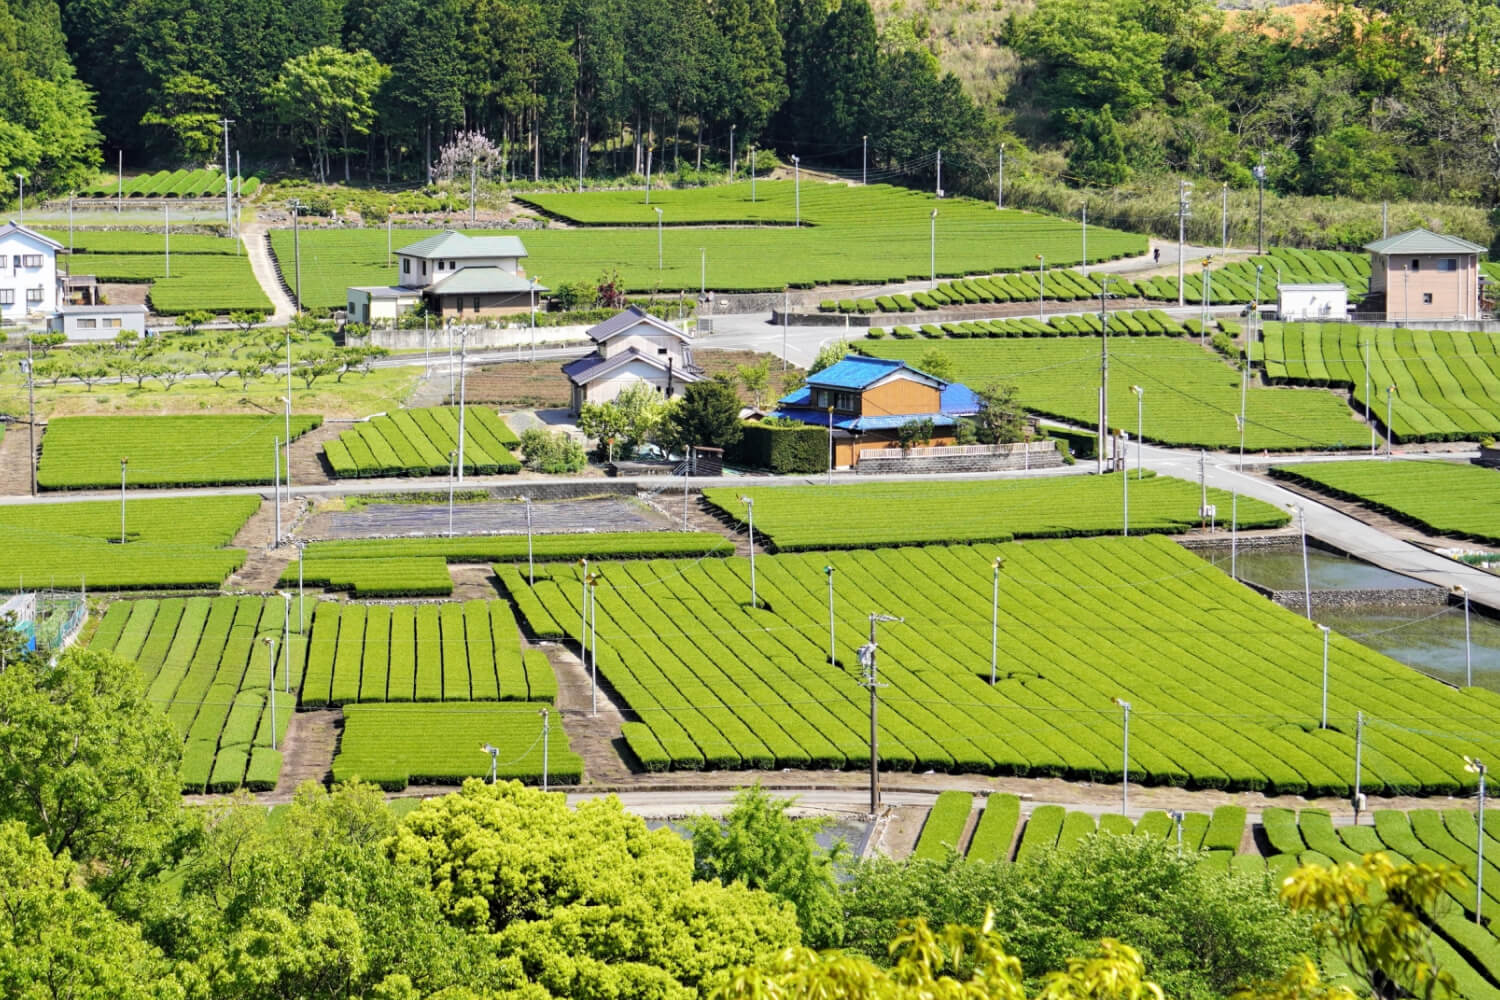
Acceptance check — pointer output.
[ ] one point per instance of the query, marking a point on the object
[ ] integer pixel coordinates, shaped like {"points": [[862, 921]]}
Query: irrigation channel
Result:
{"points": [[1406, 619]]}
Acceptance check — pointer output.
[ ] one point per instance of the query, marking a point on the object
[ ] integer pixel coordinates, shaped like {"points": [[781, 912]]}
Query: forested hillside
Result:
{"points": [[1371, 100]]}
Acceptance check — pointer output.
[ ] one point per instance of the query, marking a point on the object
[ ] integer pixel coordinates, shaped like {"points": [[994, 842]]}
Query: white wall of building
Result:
{"points": [[409, 270], [1313, 303], [29, 265]]}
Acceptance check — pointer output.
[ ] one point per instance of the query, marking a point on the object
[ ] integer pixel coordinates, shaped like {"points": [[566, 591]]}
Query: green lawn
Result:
{"points": [[850, 234], [1191, 395], [1443, 497]]}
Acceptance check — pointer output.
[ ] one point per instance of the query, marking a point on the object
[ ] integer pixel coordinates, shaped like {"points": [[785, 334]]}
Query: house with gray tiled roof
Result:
{"points": [[632, 347], [1420, 276], [456, 275]]}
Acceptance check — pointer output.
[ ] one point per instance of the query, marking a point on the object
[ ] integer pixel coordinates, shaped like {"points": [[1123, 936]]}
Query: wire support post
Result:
{"points": [[872, 683]]}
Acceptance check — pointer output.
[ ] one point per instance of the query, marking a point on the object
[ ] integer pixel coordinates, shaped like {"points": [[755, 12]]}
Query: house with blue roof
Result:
{"points": [[866, 400]]}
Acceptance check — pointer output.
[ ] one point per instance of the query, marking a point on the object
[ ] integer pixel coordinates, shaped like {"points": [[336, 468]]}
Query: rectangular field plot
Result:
{"points": [[1443, 497], [207, 663], [85, 452], [398, 745], [1191, 395], [402, 653], [1447, 382], [510, 548], [215, 281], [171, 543], [873, 514], [1225, 685], [417, 443], [859, 235]]}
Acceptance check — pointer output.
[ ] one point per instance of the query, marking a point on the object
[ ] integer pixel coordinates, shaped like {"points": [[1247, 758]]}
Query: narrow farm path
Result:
{"points": [[307, 454], [597, 738], [263, 565], [15, 470], [473, 581], [307, 754], [258, 249]]}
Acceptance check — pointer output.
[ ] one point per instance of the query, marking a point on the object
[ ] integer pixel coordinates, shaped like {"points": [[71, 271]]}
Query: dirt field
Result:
{"points": [[542, 385]]}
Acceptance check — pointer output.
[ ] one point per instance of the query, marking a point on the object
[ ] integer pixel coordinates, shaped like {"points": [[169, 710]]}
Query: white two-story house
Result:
{"points": [[457, 275], [28, 273], [632, 346]]}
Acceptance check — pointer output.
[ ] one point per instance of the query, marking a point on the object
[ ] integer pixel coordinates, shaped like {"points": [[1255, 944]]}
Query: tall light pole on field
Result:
{"points": [[1125, 770], [21, 207], [731, 153], [270, 642], [1140, 423], [1259, 171], [123, 463], [832, 639], [1474, 766], [1306, 576], [1041, 287], [1323, 721], [286, 640], [658, 237], [1468, 649], [932, 248], [1390, 396], [494, 753], [530, 560], [228, 181], [749, 503], [995, 619], [296, 206], [797, 188], [864, 161], [752, 172], [26, 366], [871, 681], [1184, 212], [276, 488], [452, 458]]}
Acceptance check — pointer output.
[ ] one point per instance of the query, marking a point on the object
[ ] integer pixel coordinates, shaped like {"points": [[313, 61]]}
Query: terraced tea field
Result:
{"points": [[398, 745], [1445, 498], [207, 272], [849, 234], [207, 663], [171, 544], [713, 683], [417, 442], [85, 452], [1447, 383], [875, 514], [1191, 395], [426, 653]]}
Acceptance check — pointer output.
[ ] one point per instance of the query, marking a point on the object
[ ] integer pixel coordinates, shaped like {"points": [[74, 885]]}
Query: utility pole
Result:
{"points": [[872, 682], [546, 731], [864, 161], [1202, 487], [1085, 268], [166, 237], [1224, 217], [940, 173], [1183, 213], [463, 340], [731, 154], [1000, 180], [31, 420], [1125, 771], [1103, 370], [296, 207], [1477, 767], [228, 183], [1359, 746]]}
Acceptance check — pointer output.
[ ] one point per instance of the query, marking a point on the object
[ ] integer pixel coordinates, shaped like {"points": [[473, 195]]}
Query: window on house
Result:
{"points": [[406, 265], [476, 303], [34, 295], [1416, 263], [112, 322], [87, 324], [424, 269], [32, 260], [661, 350], [1427, 298], [7, 296], [1447, 264], [16, 262]]}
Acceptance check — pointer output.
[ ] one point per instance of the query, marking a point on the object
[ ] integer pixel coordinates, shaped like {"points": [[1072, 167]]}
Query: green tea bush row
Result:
{"points": [[996, 829], [945, 825], [1445, 498], [417, 442]]}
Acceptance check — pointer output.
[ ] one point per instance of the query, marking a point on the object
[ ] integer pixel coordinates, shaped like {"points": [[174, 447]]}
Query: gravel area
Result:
{"points": [[502, 518]]}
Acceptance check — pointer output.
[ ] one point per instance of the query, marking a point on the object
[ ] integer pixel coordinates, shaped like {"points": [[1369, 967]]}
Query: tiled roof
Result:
{"points": [[627, 318], [460, 246], [481, 280], [1423, 241], [587, 369]]}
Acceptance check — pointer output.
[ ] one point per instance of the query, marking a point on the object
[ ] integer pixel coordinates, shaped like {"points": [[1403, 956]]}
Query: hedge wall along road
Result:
{"points": [[1225, 685], [1447, 382], [85, 452], [206, 666], [1191, 394], [417, 442], [873, 514], [1442, 497], [397, 745], [426, 653], [174, 544]]}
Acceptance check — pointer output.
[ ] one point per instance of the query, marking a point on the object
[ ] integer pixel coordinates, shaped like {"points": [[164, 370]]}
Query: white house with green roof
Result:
{"points": [[456, 275], [1422, 276]]}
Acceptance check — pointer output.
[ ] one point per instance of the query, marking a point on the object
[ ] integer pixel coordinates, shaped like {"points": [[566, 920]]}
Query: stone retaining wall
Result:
{"points": [[1043, 455], [1323, 600], [479, 338]]}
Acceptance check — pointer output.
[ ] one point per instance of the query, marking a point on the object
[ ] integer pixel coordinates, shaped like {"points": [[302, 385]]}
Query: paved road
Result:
{"points": [[1332, 526]]}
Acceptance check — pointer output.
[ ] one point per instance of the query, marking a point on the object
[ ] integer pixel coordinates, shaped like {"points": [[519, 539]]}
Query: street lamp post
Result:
{"points": [[463, 343], [1125, 487], [832, 639], [871, 681], [995, 620], [296, 206], [1477, 767], [1125, 771], [287, 406], [749, 503], [530, 561], [1140, 423], [286, 641], [1323, 722], [452, 456], [1041, 286], [301, 544], [797, 188], [658, 237], [270, 642], [932, 249], [123, 463], [276, 488], [1468, 649], [1306, 577]]}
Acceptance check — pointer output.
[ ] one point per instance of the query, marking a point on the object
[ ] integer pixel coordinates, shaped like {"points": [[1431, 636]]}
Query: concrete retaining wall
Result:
{"points": [[1043, 455], [478, 338]]}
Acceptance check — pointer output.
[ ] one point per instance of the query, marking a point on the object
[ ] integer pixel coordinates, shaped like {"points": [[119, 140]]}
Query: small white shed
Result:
{"points": [[1316, 303]]}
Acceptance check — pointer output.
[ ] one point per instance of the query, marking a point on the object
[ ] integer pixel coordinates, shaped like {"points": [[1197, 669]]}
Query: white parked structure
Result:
{"points": [[28, 273], [457, 275], [82, 323], [1313, 303], [633, 347]]}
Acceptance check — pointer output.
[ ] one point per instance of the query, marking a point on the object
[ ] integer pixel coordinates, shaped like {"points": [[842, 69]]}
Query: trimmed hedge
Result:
{"points": [[782, 450]]}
